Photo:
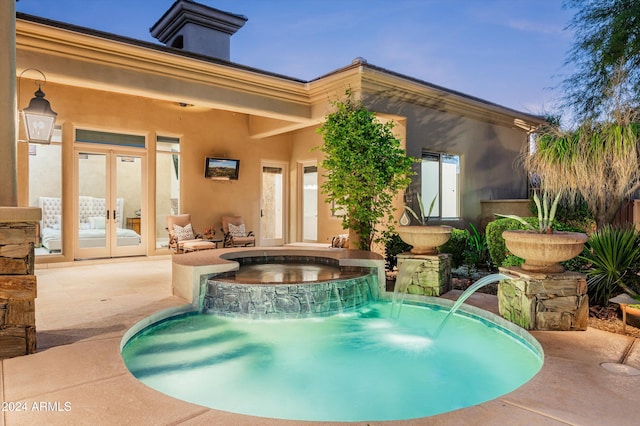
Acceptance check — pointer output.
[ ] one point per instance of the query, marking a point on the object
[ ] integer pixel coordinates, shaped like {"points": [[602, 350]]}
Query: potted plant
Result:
{"points": [[543, 248], [424, 239], [209, 232]]}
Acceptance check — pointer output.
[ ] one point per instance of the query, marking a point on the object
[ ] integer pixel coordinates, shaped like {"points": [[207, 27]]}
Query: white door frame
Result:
{"points": [[278, 241], [111, 247]]}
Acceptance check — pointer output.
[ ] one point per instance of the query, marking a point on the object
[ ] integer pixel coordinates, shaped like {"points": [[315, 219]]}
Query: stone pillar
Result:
{"points": [[8, 110], [536, 301], [430, 274], [17, 281]]}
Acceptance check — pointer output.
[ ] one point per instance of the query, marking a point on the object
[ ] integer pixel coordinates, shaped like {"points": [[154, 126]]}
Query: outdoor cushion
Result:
{"points": [[183, 233], [237, 231]]}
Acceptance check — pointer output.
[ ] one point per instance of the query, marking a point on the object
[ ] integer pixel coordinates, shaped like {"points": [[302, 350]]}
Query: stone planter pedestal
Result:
{"points": [[17, 281], [540, 301], [432, 276]]}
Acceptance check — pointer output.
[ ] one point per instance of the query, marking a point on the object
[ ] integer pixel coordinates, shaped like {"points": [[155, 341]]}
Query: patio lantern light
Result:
{"points": [[39, 118]]}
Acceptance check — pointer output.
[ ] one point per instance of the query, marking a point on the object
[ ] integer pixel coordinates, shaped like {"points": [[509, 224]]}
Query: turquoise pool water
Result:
{"points": [[360, 366]]}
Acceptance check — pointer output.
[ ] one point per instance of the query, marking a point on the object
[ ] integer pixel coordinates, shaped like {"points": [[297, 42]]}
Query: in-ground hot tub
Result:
{"points": [[191, 271], [288, 287]]}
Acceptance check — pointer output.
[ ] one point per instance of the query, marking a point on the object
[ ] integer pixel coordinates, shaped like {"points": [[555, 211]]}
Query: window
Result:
{"points": [[310, 203], [441, 180], [167, 185], [45, 191], [92, 136]]}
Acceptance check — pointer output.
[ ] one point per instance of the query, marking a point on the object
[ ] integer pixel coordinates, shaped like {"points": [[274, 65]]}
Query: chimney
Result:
{"points": [[197, 28]]}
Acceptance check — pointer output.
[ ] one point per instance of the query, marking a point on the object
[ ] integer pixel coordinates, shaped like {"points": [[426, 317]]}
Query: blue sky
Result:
{"points": [[510, 52]]}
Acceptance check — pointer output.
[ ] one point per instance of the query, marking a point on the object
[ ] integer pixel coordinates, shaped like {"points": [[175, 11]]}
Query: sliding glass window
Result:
{"points": [[167, 185], [45, 192], [441, 182]]}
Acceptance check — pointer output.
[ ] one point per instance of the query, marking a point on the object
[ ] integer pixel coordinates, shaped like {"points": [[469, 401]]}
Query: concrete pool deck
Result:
{"points": [[78, 378]]}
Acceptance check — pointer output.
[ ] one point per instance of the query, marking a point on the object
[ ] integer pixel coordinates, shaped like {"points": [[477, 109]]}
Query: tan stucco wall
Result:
{"points": [[8, 188], [203, 132], [488, 152]]}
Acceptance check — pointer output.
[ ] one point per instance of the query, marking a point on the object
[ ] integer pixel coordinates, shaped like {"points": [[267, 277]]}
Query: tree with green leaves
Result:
{"points": [[606, 55], [365, 167]]}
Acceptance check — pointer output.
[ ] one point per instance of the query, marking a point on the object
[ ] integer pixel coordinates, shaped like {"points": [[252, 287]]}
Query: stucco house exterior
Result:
{"points": [[136, 121]]}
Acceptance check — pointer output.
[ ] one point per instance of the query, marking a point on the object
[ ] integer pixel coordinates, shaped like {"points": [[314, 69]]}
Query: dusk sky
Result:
{"points": [[510, 52]]}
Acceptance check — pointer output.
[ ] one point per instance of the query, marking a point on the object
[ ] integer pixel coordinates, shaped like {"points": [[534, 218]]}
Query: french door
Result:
{"points": [[273, 204], [309, 202], [109, 203]]}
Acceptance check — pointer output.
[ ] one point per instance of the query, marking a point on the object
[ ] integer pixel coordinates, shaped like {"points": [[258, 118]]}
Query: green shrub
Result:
{"points": [[393, 246], [456, 246], [613, 254], [477, 252], [578, 264], [497, 249], [512, 260]]}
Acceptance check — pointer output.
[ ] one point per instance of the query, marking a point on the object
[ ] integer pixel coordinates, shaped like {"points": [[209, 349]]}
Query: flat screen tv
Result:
{"points": [[221, 168]]}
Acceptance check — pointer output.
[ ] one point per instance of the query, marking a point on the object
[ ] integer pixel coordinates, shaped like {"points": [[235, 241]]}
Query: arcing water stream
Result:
{"points": [[405, 273]]}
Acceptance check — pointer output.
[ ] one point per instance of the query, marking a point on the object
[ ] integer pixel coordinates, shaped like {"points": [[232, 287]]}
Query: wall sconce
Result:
{"points": [[39, 118]]}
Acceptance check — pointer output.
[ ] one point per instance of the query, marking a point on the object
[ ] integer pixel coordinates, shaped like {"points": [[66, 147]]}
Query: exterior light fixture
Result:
{"points": [[39, 118]]}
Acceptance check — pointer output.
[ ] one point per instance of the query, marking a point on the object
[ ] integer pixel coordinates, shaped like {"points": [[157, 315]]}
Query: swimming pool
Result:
{"points": [[358, 366]]}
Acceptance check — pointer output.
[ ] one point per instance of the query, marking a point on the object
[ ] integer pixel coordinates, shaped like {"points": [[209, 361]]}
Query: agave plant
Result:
{"points": [[612, 253], [546, 213], [423, 219]]}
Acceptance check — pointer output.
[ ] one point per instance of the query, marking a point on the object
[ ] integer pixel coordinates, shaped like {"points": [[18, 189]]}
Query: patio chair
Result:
{"points": [[235, 234], [182, 238]]}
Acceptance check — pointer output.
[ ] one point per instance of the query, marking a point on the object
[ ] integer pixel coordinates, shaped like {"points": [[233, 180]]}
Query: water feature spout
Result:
{"points": [[403, 279], [467, 293]]}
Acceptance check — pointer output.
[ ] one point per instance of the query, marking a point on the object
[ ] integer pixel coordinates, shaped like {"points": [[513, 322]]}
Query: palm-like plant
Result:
{"points": [[612, 253], [546, 213], [598, 160]]}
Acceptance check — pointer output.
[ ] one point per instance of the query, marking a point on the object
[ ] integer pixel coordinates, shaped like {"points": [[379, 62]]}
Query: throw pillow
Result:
{"points": [[237, 231], [98, 222], [183, 232]]}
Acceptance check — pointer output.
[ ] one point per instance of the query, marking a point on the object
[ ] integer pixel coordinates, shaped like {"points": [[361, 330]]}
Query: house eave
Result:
{"points": [[377, 81], [240, 89]]}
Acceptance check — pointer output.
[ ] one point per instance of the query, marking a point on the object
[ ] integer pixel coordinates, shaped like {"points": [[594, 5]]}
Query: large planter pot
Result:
{"points": [[425, 239], [544, 252]]}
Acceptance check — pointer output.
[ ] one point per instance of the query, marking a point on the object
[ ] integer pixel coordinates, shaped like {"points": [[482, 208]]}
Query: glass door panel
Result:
{"points": [[45, 192], [310, 204], [128, 204], [109, 205], [272, 212], [167, 186], [93, 223]]}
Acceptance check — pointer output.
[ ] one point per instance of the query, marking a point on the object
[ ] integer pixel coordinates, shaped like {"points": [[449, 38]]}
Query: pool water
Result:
{"points": [[349, 367]]}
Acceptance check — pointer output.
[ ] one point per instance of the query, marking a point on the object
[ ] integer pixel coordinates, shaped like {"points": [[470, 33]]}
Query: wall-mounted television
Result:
{"points": [[221, 168]]}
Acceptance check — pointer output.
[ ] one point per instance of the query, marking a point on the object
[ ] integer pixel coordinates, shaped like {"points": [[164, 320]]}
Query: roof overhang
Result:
{"points": [[87, 60]]}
